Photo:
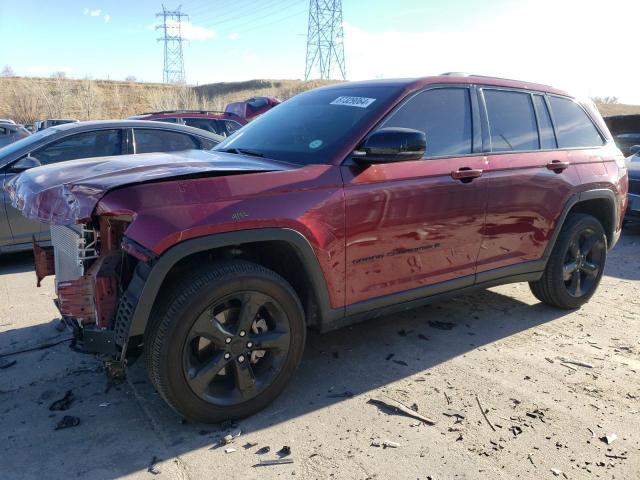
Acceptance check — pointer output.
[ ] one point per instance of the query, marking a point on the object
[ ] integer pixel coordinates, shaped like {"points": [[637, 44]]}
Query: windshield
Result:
{"points": [[309, 127], [25, 142]]}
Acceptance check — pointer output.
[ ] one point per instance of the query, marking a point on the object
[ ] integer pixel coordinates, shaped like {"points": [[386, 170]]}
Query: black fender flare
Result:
{"points": [[145, 286], [576, 198]]}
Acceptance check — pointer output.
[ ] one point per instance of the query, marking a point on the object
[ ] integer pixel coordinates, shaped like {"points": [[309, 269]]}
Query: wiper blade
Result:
{"points": [[243, 151]]}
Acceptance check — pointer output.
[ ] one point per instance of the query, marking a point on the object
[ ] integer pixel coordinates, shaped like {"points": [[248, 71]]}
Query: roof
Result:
{"points": [[454, 77], [90, 124]]}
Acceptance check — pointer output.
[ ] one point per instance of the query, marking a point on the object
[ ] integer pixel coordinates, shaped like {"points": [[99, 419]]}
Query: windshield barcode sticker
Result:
{"points": [[360, 102]]}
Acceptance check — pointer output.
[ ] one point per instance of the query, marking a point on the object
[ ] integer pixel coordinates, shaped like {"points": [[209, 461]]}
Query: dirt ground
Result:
{"points": [[500, 346]]}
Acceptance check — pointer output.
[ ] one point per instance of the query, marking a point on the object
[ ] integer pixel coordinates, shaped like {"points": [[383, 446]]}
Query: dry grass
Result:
{"points": [[27, 99]]}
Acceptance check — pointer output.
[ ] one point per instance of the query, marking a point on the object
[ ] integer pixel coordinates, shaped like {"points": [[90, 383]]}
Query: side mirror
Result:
{"points": [[389, 145], [25, 163], [634, 149]]}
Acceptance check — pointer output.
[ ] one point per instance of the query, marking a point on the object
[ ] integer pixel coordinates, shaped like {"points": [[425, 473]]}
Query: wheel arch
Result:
{"points": [[309, 283], [601, 203]]}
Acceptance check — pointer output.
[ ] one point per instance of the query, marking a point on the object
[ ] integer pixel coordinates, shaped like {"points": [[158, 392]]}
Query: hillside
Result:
{"points": [[26, 99]]}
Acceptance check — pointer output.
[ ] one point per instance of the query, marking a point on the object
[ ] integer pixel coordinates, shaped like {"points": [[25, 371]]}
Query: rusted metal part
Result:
{"points": [[75, 298], [106, 288], [43, 258]]}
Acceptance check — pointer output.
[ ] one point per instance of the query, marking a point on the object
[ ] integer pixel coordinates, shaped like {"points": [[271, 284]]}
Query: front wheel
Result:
{"points": [[229, 341], [576, 264]]}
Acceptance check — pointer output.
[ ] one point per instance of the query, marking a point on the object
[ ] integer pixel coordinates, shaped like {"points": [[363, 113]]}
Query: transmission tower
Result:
{"points": [[325, 46], [173, 71]]}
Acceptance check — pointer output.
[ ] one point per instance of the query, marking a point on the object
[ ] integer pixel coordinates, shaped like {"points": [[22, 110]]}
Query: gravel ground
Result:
{"points": [[499, 348]]}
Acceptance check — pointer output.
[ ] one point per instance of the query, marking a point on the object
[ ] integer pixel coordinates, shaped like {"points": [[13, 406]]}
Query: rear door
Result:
{"points": [[412, 224], [529, 180]]}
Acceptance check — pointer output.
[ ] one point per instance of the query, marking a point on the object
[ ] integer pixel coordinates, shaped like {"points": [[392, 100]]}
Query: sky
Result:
{"points": [[584, 46]]}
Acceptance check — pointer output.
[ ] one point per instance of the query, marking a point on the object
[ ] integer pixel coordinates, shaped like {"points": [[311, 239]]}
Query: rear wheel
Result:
{"points": [[228, 342], [576, 264]]}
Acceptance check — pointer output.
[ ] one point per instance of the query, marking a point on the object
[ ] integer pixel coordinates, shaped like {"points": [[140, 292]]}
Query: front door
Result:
{"points": [[418, 223]]}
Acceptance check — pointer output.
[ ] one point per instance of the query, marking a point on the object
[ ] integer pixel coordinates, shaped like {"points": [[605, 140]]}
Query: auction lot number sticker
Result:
{"points": [[360, 102]]}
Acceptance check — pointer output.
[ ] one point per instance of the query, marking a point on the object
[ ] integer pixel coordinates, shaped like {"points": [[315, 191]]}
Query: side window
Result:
{"points": [[444, 114], [231, 126], [512, 122], [545, 127], [573, 127], [207, 144], [202, 123], [151, 140], [99, 143]]}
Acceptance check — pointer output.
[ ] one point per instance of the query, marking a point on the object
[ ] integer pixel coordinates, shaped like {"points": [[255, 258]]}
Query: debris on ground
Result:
{"points": [[384, 443], [152, 466], [37, 347], [556, 472], [609, 438], [346, 394], [284, 451], [278, 461], [229, 450], [484, 414], [4, 364], [104, 404], [618, 457], [263, 450], [398, 407], [516, 430], [64, 403], [575, 362], [390, 356], [249, 445], [455, 413], [227, 439], [423, 337], [401, 362], [441, 325], [67, 421]]}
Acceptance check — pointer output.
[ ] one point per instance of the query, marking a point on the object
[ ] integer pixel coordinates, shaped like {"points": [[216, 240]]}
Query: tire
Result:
{"points": [[576, 264], [185, 341]]}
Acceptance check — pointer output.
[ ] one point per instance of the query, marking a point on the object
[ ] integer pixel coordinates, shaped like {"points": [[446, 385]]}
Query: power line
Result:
{"points": [[173, 71], [325, 39], [252, 15]]}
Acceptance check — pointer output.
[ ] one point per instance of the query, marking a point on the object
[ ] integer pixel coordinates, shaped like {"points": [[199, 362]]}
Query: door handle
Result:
{"points": [[466, 174], [557, 166]]}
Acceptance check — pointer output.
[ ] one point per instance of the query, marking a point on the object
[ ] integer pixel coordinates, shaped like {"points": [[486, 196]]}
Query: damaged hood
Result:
{"points": [[67, 192]]}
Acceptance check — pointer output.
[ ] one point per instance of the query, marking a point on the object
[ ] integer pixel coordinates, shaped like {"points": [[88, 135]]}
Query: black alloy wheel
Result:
{"points": [[236, 347]]}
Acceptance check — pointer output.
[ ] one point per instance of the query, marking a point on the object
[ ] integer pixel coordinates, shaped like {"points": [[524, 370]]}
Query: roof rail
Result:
{"points": [[465, 74], [188, 111]]}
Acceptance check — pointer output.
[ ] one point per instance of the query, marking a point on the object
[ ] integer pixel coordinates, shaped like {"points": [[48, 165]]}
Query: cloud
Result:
{"points": [[107, 18], [515, 44], [95, 13], [190, 31], [85, 11], [234, 36]]}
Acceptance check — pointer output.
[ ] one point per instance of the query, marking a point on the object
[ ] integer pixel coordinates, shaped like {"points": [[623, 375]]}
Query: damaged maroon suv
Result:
{"points": [[344, 203]]}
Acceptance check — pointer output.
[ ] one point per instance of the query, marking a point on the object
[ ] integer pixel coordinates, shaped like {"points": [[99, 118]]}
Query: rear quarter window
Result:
{"points": [[574, 128]]}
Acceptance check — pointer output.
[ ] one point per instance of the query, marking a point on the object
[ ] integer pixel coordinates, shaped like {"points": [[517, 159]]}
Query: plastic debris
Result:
{"points": [[229, 450], [64, 403], [263, 450], [384, 443], [104, 404], [284, 451], [556, 472], [398, 407], [609, 438], [575, 362], [249, 445], [67, 422]]}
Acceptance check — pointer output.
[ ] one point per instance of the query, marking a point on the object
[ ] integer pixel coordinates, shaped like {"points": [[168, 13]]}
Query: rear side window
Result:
{"points": [[512, 121], [545, 127], [99, 143], [444, 114], [148, 140], [207, 124], [573, 127], [231, 126]]}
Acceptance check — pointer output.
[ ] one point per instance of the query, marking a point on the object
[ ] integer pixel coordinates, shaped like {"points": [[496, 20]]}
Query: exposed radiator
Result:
{"points": [[73, 245]]}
